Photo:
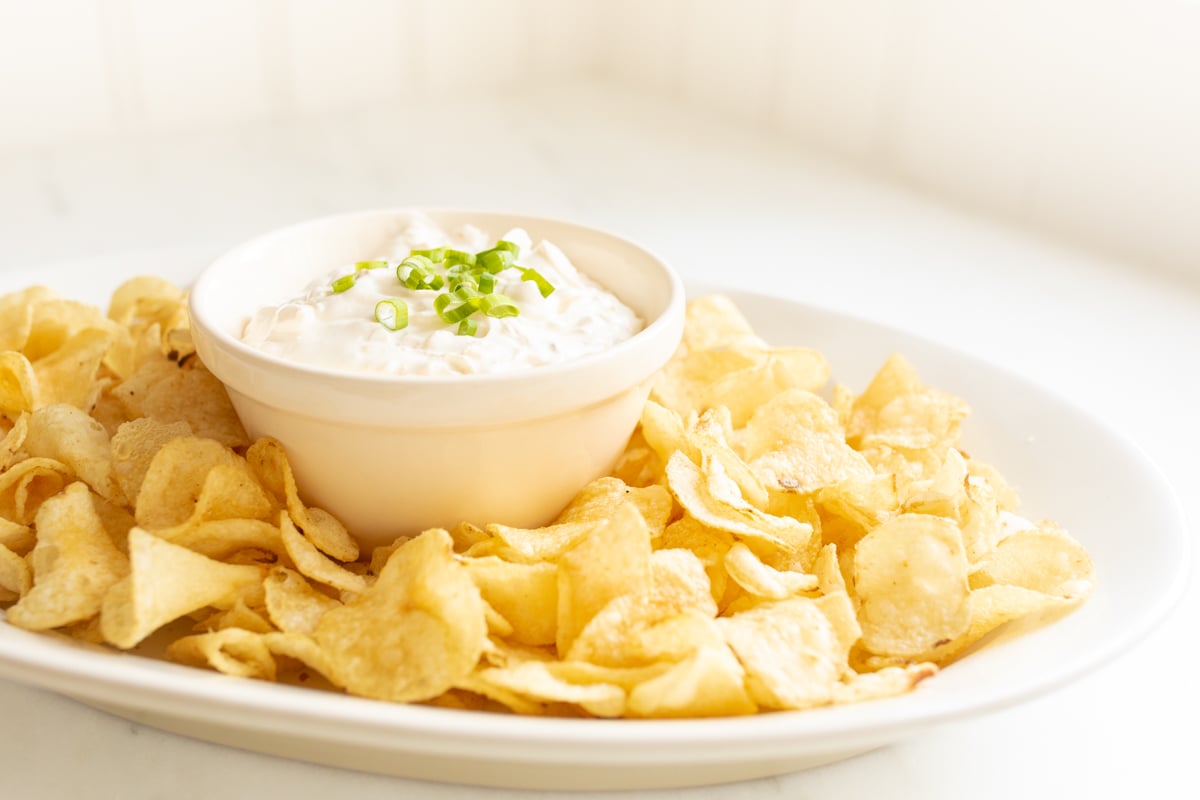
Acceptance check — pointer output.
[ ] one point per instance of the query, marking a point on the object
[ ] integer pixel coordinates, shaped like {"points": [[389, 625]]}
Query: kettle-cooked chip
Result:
{"points": [[910, 575], [417, 632], [74, 564]]}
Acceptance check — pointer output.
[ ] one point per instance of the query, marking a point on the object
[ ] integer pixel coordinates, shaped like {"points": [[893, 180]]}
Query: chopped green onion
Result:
{"points": [[436, 254], [544, 286], [392, 314], [498, 305], [511, 247], [487, 283], [495, 260], [342, 284], [467, 327], [373, 264], [458, 312], [416, 272], [453, 257]]}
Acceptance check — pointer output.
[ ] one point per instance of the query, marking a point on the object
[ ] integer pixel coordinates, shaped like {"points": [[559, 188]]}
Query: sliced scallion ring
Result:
{"points": [[342, 284], [544, 286], [376, 263], [392, 313], [498, 305], [454, 257], [435, 254], [467, 327], [495, 260]]}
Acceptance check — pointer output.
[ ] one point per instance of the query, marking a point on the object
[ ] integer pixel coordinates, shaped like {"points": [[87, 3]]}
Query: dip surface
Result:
{"points": [[339, 331]]}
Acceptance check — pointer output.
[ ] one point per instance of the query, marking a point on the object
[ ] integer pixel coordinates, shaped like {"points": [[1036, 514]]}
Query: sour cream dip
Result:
{"points": [[338, 329]]}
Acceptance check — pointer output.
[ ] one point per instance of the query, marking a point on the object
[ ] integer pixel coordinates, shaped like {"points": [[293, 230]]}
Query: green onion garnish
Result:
{"points": [[373, 264], [436, 254], [544, 286], [392, 314], [487, 283], [453, 257], [467, 327], [511, 247], [342, 284], [498, 305], [495, 260]]}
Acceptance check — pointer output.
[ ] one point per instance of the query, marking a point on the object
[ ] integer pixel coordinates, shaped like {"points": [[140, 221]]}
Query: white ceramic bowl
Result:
{"points": [[385, 453]]}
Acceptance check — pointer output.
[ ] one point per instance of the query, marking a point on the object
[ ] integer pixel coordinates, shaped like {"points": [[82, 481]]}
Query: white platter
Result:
{"points": [[1067, 466]]}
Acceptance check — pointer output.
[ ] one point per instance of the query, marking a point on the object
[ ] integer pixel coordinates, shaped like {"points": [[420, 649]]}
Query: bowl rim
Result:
{"points": [[663, 325]]}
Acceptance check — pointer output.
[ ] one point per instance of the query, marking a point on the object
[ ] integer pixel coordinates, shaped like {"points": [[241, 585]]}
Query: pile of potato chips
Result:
{"points": [[757, 546]]}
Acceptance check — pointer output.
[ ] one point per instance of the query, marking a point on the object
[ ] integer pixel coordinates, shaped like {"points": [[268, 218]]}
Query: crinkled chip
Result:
{"points": [[524, 594], [74, 564], [134, 446], [417, 632], [66, 434], [166, 582]]}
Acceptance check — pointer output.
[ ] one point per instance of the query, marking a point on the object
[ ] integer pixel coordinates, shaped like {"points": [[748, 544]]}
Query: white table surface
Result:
{"points": [[722, 203]]}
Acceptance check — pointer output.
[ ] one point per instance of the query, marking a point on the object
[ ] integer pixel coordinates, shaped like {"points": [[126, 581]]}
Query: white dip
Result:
{"points": [[339, 330]]}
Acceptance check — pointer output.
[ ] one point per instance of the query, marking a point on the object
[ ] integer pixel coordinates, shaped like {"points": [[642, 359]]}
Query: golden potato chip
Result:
{"points": [[239, 615], [601, 498], [636, 630], [794, 443], [56, 321], [231, 651], [715, 501], [27, 484], [148, 299], [15, 577], [16, 315], [74, 564], [709, 545], [614, 561], [708, 683], [314, 564], [532, 680], [268, 463], [292, 604], [865, 501], [16, 537], [68, 435], [910, 575], [524, 594], [18, 385], [764, 581], [192, 480], [67, 375], [166, 582], [225, 539], [13, 441], [886, 682], [715, 321], [418, 631], [134, 446], [791, 652], [678, 577], [167, 392], [1044, 559]]}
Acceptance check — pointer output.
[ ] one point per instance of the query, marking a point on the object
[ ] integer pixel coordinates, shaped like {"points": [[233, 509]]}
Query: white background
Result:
{"points": [[1016, 179]]}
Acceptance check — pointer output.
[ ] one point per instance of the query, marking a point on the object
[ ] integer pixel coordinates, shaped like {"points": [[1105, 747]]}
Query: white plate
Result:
{"points": [[1068, 467]]}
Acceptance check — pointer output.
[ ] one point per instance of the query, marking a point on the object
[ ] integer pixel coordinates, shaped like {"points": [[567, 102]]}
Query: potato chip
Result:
{"points": [[16, 537], [601, 498], [910, 575], [614, 561], [231, 651], [134, 446], [532, 680], [292, 604], [18, 385], [1044, 559], [636, 630], [709, 545], [224, 539], [27, 484], [15, 576], [68, 435], [239, 615], [166, 582], [314, 564], [16, 315], [678, 577], [14, 440], [67, 375], [524, 594], [764, 581], [715, 321], [418, 631], [167, 392], [74, 564], [708, 683], [714, 500], [886, 682], [792, 654]]}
